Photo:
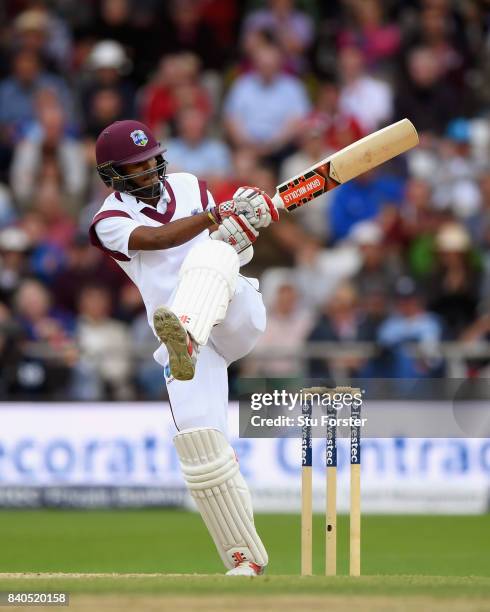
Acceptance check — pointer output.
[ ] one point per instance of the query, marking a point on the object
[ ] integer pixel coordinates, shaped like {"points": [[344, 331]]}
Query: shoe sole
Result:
{"points": [[173, 334]]}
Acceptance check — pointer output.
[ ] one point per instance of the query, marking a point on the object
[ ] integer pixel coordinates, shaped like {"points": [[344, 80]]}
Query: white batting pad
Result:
{"points": [[221, 494], [207, 280], [244, 257]]}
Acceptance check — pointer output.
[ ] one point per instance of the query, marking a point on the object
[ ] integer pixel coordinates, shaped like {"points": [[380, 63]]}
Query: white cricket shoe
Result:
{"points": [[246, 568], [182, 351]]}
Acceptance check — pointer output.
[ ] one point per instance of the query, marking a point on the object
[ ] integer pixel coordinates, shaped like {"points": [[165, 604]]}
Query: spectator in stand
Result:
{"points": [[83, 265], [41, 31], [454, 285], [417, 206], [222, 16], [48, 352], [106, 106], [256, 114], [423, 160], [362, 199], [18, 94], [375, 309], [10, 352], [367, 99], [378, 271], [114, 20], [419, 222], [8, 213], [484, 184], [340, 129], [292, 28], [478, 333], [483, 237], [174, 87], [184, 29], [108, 66], [46, 144], [455, 176], [341, 320], [129, 303], [193, 151], [378, 41], [288, 324], [422, 95], [127, 23], [104, 343], [46, 260], [440, 31], [14, 248], [410, 324], [319, 271], [40, 320], [60, 226]]}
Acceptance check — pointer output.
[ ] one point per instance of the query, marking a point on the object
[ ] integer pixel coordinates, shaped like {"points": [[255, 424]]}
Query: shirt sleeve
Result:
{"points": [[114, 233]]}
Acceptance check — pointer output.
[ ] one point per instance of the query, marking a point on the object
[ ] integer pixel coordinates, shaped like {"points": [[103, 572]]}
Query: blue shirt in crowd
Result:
{"points": [[209, 157], [424, 327], [360, 200], [261, 107], [17, 101]]}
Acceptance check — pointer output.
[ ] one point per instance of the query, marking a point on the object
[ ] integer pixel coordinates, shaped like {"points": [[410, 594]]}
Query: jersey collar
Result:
{"points": [[164, 210]]}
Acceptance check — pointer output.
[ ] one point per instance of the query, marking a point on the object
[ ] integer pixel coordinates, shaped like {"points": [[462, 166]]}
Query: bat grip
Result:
{"points": [[277, 201]]}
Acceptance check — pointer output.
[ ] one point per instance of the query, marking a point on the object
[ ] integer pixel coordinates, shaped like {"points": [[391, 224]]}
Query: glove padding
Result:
{"points": [[251, 202], [256, 205], [236, 231]]}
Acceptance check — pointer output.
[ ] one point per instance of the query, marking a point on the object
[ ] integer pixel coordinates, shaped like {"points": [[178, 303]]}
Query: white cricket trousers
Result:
{"points": [[203, 401]]}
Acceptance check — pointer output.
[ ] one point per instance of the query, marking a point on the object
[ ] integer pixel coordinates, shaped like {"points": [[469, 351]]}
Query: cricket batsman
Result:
{"points": [[205, 313]]}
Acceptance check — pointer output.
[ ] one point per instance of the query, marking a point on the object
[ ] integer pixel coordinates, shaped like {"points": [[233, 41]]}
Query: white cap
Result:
{"points": [[14, 239], [366, 233], [108, 54], [453, 237], [466, 198]]}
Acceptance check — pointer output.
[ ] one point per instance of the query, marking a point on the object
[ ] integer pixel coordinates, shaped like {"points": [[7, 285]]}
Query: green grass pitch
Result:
{"points": [[417, 559], [177, 542]]}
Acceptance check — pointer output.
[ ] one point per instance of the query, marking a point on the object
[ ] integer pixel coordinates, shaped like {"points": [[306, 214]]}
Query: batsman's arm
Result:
{"points": [[173, 234]]}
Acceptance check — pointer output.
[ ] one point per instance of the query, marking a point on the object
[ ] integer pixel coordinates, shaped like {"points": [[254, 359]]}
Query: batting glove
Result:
{"points": [[252, 202], [237, 232], [256, 205]]}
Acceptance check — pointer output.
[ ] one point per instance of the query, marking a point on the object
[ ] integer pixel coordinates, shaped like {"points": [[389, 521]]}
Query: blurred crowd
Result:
{"points": [[248, 92]]}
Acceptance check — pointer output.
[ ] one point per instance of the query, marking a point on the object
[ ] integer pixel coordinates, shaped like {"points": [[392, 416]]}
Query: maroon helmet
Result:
{"points": [[129, 142]]}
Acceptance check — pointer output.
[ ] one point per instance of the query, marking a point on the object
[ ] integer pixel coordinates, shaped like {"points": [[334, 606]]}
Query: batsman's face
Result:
{"points": [[144, 180]]}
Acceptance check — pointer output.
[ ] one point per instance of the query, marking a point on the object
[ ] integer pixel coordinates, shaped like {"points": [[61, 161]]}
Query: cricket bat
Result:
{"points": [[359, 157]]}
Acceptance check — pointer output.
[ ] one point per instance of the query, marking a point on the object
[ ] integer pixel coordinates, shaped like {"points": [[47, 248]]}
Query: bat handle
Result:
{"points": [[277, 200]]}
